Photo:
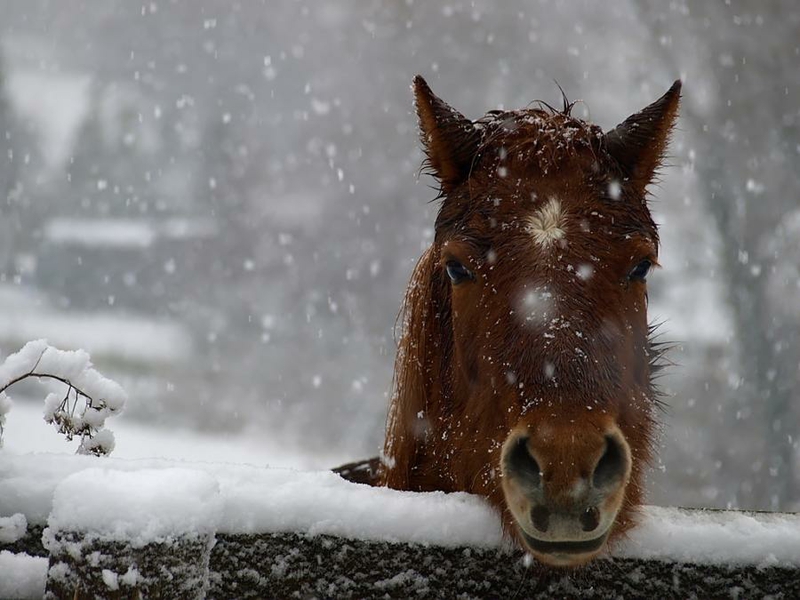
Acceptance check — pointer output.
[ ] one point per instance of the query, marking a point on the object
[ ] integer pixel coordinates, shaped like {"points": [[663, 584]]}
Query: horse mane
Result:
{"points": [[422, 363]]}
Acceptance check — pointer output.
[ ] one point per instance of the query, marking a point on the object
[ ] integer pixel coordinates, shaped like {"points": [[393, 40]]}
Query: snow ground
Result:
{"points": [[138, 507], [126, 337], [179, 479], [123, 233], [26, 432], [254, 500], [55, 103], [148, 499], [22, 576], [257, 500]]}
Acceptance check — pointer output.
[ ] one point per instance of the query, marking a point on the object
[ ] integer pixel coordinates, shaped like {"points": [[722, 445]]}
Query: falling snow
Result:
{"points": [[227, 222]]}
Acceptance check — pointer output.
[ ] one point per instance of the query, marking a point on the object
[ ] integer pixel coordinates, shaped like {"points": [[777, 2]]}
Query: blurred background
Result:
{"points": [[221, 201]]}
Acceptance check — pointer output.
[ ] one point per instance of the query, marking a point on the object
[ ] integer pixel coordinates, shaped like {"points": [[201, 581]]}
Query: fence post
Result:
{"points": [[132, 534]]}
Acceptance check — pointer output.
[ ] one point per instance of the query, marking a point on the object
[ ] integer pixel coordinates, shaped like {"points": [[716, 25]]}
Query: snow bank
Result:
{"points": [[255, 500], [22, 576], [124, 233], [26, 431], [5, 407], [138, 507], [127, 337], [279, 500], [150, 528], [56, 104], [105, 233], [12, 528], [715, 537]]}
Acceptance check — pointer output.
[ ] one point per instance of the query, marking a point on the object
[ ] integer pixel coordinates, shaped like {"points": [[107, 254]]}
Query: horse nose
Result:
{"points": [[522, 466], [540, 517], [612, 467], [590, 519]]}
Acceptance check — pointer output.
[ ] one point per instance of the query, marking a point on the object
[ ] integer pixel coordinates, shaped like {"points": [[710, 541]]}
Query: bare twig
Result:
{"points": [[63, 421]]}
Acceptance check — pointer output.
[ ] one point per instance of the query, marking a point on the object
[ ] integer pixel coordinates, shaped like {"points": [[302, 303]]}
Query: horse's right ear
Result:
{"points": [[449, 138]]}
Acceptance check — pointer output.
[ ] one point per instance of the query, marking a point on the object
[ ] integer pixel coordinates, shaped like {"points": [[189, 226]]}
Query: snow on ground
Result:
{"points": [[129, 337], [22, 576], [105, 233], [140, 498], [124, 233], [138, 507], [26, 432], [257, 500], [55, 104], [715, 537], [12, 528], [125, 336], [151, 499], [319, 502]]}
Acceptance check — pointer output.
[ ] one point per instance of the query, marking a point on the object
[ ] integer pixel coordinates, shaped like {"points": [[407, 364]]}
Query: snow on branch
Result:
{"points": [[82, 401]]}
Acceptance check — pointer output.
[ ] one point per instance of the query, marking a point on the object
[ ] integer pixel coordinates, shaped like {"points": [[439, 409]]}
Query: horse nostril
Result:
{"points": [[611, 468], [540, 517], [590, 518], [521, 465]]}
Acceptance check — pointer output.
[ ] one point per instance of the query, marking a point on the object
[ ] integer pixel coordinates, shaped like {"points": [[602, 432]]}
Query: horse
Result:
{"points": [[525, 367]]}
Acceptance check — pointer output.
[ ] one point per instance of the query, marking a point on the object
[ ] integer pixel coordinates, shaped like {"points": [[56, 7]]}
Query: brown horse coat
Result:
{"points": [[524, 370]]}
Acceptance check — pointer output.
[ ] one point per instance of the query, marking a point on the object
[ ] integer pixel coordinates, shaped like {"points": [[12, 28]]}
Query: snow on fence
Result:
{"points": [[87, 526], [90, 527]]}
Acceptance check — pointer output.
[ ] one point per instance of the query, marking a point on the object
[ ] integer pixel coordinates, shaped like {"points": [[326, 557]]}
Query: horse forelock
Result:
{"points": [[518, 147], [545, 137]]}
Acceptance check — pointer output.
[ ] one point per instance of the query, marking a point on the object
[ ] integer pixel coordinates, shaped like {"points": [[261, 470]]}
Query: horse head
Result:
{"points": [[525, 367]]}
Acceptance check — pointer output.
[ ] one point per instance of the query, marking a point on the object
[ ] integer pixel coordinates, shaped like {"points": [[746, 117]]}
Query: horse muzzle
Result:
{"points": [[565, 498], [564, 553]]}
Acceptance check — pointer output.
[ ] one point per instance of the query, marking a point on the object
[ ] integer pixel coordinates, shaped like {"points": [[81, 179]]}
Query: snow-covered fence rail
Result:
{"points": [[116, 528]]}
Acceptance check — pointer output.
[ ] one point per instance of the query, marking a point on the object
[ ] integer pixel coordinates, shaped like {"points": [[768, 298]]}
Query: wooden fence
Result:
{"points": [[291, 565], [227, 560]]}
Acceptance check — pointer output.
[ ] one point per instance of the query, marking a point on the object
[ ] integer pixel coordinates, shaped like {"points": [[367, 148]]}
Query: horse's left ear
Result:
{"points": [[638, 144]]}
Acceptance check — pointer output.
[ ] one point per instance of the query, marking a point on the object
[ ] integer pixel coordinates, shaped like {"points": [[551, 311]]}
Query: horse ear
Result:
{"points": [[638, 144], [449, 138]]}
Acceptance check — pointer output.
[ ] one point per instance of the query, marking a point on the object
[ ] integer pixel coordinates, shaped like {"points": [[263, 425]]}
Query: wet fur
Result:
{"points": [[445, 431]]}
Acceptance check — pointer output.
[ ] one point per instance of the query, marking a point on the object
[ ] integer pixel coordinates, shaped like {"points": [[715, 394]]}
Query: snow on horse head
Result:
{"points": [[524, 371]]}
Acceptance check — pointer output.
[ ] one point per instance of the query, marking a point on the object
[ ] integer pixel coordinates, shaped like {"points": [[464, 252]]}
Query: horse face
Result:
{"points": [[548, 311], [525, 367]]}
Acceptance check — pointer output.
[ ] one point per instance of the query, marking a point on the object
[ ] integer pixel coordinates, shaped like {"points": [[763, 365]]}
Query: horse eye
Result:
{"points": [[457, 272], [640, 271]]}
